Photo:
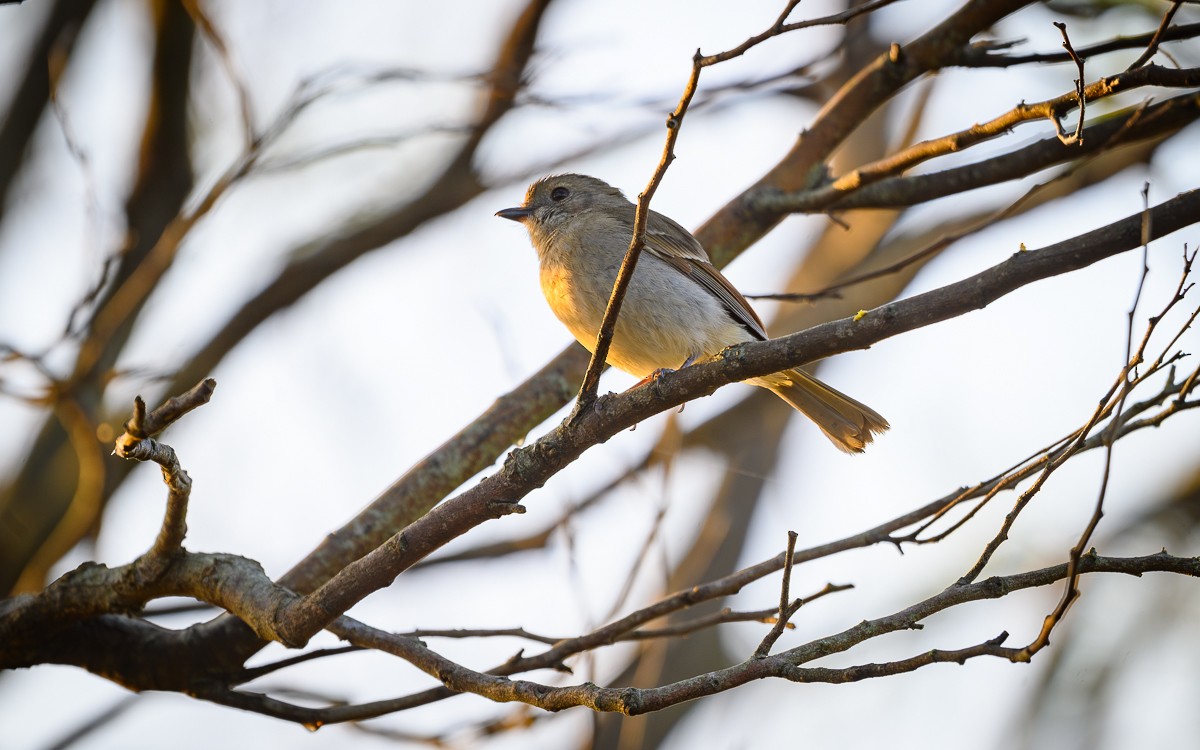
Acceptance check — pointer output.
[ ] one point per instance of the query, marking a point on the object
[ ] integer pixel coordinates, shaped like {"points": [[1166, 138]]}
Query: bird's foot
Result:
{"points": [[664, 371]]}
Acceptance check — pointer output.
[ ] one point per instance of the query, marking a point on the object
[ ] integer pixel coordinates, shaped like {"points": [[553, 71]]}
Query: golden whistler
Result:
{"points": [[678, 308]]}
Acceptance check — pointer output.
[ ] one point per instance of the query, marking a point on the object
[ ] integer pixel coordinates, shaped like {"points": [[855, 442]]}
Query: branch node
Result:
{"points": [[501, 508]]}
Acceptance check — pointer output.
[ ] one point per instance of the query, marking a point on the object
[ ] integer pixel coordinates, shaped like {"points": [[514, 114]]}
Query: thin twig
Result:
{"points": [[780, 27], [1112, 401], [1118, 428], [1080, 93], [148, 425], [786, 609], [987, 490], [481, 633], [591, 379], [687, 627], [137, 445], [1071, 590], [1152, 46], [253, 673]]}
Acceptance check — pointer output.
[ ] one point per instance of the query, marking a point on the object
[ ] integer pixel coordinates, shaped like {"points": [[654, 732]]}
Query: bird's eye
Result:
{"points": [[559, 193]]}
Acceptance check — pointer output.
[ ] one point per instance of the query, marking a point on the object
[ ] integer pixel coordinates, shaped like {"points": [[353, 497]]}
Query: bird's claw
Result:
{"points": [[664, 371]]}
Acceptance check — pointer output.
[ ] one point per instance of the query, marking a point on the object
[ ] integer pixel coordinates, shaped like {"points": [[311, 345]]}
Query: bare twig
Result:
{"points": [[591, 379], [137, 445], [1129, 361], [1158, 38], [482, 633], [253, 673], [1173, 393], [1111, 403], [782, 27], [695, 624], [786, 606], [143, 425], [1080, 93], [987, 490], [1149, 120]]}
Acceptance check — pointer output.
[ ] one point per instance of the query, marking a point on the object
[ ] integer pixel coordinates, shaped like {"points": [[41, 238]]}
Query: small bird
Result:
{"points": [[678, 307]]}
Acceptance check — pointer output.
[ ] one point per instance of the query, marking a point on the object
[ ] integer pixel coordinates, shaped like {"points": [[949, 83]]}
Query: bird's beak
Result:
{"points": [[514, 214]]}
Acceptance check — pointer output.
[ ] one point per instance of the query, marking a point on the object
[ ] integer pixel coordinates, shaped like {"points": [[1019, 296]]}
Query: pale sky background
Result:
{"points": [[400, 350]]}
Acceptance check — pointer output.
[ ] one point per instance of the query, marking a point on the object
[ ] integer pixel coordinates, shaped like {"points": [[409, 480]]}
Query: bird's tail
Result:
{"points": [[849, 424]]}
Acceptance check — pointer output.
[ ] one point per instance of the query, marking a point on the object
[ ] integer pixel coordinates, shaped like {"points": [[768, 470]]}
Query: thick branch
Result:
{"points": [[46, 627]]}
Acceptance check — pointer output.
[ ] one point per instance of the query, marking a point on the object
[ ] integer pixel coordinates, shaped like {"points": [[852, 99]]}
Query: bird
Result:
{"points": [[678, 307]]}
